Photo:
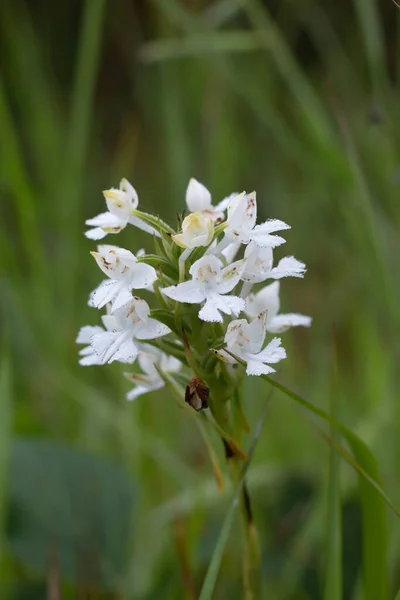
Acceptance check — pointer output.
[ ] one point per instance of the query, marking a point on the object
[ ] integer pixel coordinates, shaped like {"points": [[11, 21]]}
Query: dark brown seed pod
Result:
{"points": [[197, 394]]}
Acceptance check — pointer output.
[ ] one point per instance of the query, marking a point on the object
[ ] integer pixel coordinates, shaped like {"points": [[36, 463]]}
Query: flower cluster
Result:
{"points": [[198, 281]]}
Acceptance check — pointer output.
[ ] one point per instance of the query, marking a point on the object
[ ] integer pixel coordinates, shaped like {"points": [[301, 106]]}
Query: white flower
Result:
{"points": [[198, 199], [125, 274], [241, 223], [120, 203], [267, 299], [246, 340], [197, 230], [209, 282], [150, 380], [259, 265], [132, 321], [89, 357]]}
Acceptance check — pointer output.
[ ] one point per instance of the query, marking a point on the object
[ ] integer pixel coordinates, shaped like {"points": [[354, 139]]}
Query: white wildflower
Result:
{"points": [[267, 300], [151, 380], [259, 265], [241, 223], [197, 230], [89, 357], [246, 340], [198, 199], [132, 321], [125, 274], [120, 203], [210, 282]]}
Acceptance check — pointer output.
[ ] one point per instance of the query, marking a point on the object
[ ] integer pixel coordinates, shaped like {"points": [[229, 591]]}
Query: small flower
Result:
{"points": [[198, 199], [131, 321], [267, 300], [246, 340], [120, 203], [89, 357], [210, 281], [150, 380], [241, 223], [125, 274], [259, 265], [197, 230]]}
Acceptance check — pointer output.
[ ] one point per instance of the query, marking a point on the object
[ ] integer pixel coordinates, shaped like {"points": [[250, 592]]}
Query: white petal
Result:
{"points": [[140, 390], [266, 299], [288, 267], [281, 323], [110, 322], [85, 333], [89, 358], [273, 352], [230, 276], [210, 312], [151, 329], [236, 336], [105, 292], [198, 198], [188, 291], [142, 276], [256, 332], [261, 233], [95, 234], [105, 219], [259, 263], [254, 367], [223, 205], [230, 251], [242, 212], [127, 187], [230, 305], [143, 226], [118, 345]]}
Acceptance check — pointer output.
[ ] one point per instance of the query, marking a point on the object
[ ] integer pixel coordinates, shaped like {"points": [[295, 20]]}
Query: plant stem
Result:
{"points": [[251, 548]]}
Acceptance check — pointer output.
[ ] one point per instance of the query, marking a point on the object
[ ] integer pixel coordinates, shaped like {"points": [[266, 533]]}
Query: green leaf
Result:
{"points": [[159, 262], [156, 222], [73, 505], [210, 580]]}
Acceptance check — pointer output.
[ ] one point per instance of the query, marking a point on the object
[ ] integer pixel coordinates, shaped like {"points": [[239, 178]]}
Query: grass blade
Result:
{"points": [[215, 563], [5, 437], [333, 582]]}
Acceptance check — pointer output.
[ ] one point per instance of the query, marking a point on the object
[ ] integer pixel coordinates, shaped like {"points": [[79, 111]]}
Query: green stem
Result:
{"points": [[251, 548]]}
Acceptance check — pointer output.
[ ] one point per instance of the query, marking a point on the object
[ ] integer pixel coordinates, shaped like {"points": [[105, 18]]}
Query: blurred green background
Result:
{"points": [[298, 100]]}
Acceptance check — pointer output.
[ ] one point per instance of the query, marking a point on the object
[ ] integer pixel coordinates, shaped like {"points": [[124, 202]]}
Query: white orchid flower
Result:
{"points": [[267, 300], [150, 380], [125, 274], [241, 223], [259, 265], [132, 321], [198, 199], [245, 340], [120, 203], [210, 282], [89, 357], [197, 230]]}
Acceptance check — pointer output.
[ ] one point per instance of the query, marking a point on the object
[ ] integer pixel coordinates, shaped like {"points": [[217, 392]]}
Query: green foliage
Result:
{"points": [[300, 102]]}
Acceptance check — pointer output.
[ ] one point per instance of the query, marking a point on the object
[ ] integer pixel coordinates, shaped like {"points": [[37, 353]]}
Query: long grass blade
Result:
{"points": [[5, 437], [333, 582]]}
